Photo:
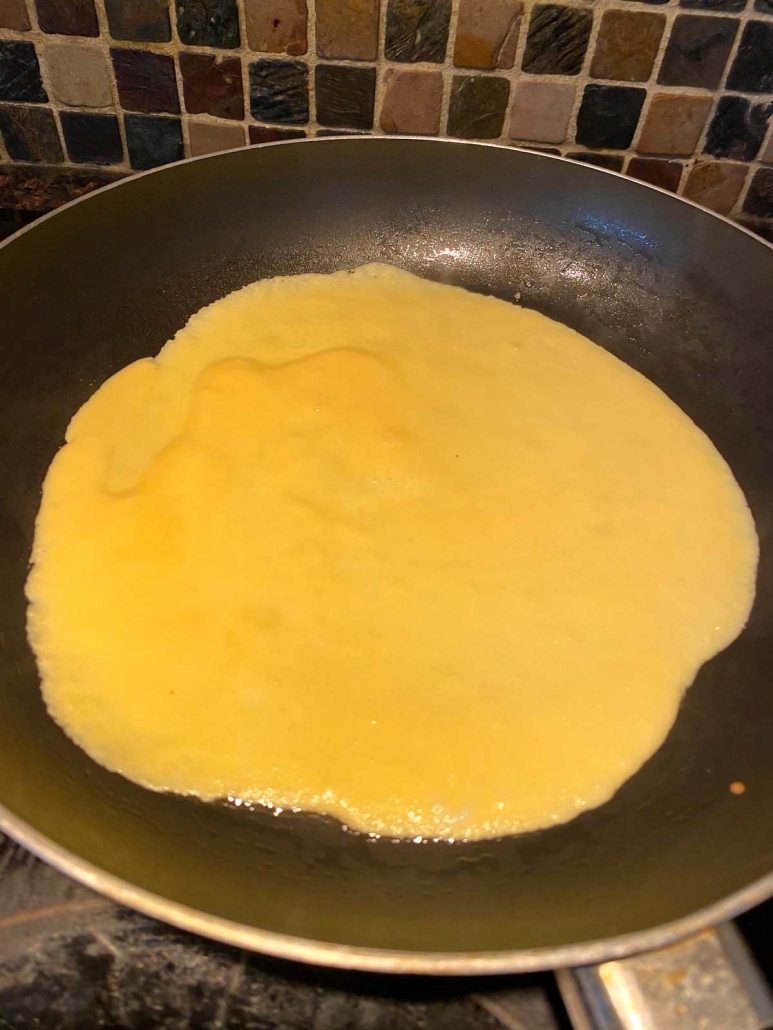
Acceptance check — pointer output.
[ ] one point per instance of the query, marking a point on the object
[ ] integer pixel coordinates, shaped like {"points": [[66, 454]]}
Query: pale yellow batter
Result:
{"points": [[372, 546]]}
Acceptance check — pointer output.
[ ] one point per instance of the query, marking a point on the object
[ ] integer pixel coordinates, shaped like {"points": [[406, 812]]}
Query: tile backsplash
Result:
{"points": [[676, 92]]}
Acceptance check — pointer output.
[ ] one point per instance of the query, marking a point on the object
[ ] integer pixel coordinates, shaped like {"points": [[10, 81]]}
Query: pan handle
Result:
{"points": [[707, 982]]}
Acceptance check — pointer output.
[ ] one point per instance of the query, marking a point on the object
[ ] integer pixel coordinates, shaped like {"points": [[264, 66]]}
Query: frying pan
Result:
{"points": [[681, 295]]}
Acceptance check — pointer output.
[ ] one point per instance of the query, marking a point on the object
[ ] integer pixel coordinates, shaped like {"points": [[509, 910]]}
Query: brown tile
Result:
{"points": [[347, 28], [557, 40], [266, 134], [541, 111], [477, 107], [276, 26], [417, 30], [210, 137], [665, 174], [212, 86], [627, 44], [673, 124], [79, 75], [697, 51], [767, 154], [13, 15], [139, 20], [716, 184], [146, 81], [487, 33], [412, 101], [30, 133], [68, 17], [29, 188]]}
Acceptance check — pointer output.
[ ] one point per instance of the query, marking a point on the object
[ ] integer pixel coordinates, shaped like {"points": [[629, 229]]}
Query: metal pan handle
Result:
{"points": [[707, 982]]}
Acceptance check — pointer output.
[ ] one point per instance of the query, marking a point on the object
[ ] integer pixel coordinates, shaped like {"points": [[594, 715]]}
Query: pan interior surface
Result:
{"points": [[678, 294]]}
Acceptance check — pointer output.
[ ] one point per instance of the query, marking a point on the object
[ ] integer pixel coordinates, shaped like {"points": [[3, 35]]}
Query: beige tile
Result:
{"points": [[541, 111], [347, 28], [674, 124], [716, 184], [276, 26], [210, 137], [412, 101], [79, 75], [487, 33]]}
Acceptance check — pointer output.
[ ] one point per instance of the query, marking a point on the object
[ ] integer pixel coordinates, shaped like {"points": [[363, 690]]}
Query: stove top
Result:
{"points": [[72, 960]]}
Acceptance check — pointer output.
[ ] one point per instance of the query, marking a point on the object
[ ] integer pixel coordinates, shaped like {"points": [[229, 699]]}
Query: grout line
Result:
{"points": [[381, 66]]}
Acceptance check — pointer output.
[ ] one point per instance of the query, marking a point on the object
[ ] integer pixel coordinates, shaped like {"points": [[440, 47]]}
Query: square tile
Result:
{"points": [[78, 75], [68, 17], [541, 111], [20, 73], [728, 6], [557, 40], [697, 51], [412, 101], [752, 69], [153, 140], [29, 133], [611, 161], [212, 85], [345, 96], [146, 81], [347, 28], [212, 23], [608, 116], [92, 139], [276, 26], [478, 105], [13, 15], [763, 227], [417, 30], [763, 6], [487, 33], [145, 21], [674, 124], [715, 184], [627, 45], [211, 137], [279, 91], [265, 134], [666, 174], [759, 198], [738, 128]]}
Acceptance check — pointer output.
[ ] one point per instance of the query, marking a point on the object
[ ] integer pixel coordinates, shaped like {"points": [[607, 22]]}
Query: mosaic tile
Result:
{"points": [[279, 91], [20, 73], [68, 17], [478, 105], [276, 26], [759, 198], [208, 23], [738, 128], [146, 81], [763, 6], [345, 96], [760, 226], [412, 101], [674, 124], [715, 184], [92, 139], [611, 161], [627, 45], [487, 33], [212, 85], [145, 21], [541, 111], [697, 51], [13, 15], [79, 75], [211, 137], [665, 174], [767, 154], [265, 134], [38, 188], [608, 116], [29, 133], [752, 69], [153, 140], [557, 40], [347, 28], [417, 30], [728, 6]]}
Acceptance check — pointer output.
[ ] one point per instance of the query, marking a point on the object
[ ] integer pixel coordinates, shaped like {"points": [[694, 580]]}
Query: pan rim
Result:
{"points": [[354, 957]]}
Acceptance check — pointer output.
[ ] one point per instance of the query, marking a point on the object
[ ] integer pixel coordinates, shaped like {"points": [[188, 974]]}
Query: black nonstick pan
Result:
{"points": [[682, 295]]}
